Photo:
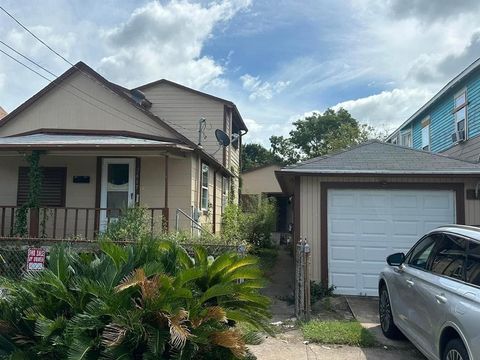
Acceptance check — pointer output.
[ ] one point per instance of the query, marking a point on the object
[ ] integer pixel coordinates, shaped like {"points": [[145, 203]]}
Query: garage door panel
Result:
{"points": [[406, 227], [365, 226], [343, 253]]}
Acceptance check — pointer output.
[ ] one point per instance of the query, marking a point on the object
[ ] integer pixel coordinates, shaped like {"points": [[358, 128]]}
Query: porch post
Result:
{"points": [[34, 223], [166, 213]]}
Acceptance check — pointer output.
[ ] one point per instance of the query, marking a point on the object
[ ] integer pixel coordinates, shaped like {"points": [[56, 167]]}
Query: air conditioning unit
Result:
{"points": [[458, 136]]}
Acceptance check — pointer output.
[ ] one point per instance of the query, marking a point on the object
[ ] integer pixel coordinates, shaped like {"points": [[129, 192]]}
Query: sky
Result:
{"points": [[278, 60]]}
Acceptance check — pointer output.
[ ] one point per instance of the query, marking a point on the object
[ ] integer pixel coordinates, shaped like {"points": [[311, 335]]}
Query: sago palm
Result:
{"points": [[150, 300]]}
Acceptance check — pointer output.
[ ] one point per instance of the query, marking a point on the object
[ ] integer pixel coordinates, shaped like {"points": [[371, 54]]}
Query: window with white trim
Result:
{"points": [[406, 138], [204, 187], [426, 134], [224, 193], [460, 114]]}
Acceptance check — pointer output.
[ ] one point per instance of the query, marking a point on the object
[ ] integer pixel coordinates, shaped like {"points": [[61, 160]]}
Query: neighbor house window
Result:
{"points": [[52, 190], [460, 115], [426, 134], [224, 193], [406, 138], [204, 189]]}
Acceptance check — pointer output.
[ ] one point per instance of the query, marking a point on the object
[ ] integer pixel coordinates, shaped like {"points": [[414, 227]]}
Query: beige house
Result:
{"points": [[261, 182], [104, 147], [360, 205]]}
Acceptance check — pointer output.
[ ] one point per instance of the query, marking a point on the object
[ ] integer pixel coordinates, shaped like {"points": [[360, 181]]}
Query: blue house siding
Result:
{"points": [[473, 109], [442, 123]]}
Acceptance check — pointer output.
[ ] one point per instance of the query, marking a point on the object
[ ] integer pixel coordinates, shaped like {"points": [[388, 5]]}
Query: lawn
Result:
{"points": [[338, 332]]}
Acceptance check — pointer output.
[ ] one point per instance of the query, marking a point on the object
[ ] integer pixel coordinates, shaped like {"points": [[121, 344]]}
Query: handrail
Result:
{"points": [[194, 222]]}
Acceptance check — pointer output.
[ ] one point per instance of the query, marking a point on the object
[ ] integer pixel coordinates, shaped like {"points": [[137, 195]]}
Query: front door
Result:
{"points": [[117, 190]]}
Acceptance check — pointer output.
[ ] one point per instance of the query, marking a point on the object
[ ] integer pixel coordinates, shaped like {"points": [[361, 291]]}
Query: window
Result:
{"points": [[418, 257], [473, 264], [406, 138], [224, 193], [52, 191], [460, 114], [448, 257], [426, 134], [204, 188]]}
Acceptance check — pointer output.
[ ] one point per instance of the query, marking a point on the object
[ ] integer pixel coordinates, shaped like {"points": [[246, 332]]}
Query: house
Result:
{"points": [[450, 122], [261, 182], [103, 147], [357, 206], [3, 113]]}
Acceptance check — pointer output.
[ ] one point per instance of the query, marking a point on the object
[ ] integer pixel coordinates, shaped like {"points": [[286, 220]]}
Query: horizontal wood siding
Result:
{"points": [[60, 109], [442, 123], [473, 109], [183, 109]]}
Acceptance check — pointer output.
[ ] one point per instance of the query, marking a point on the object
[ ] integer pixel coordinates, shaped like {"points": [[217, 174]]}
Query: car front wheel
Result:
{"points": [[455, 350], [387, 324]]}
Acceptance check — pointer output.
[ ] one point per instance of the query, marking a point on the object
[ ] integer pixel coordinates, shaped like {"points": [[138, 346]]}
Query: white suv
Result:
{"points": [[432, 294]]}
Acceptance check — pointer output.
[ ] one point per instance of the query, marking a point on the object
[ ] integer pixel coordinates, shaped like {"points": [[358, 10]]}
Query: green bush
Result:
{"points": [[253, 224], [132, 225], [148, 300], [318, 291]]}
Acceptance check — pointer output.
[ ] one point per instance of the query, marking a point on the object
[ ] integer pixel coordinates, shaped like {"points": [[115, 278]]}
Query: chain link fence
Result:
{"points": [[15, 257]]}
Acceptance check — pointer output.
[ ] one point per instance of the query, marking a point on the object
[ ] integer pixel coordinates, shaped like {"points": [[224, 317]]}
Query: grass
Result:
{"points": [[338, 332], [268, 257]]}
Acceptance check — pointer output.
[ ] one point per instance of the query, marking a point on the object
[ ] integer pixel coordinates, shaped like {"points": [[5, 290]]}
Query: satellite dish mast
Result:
{"points": [[235, 138]]}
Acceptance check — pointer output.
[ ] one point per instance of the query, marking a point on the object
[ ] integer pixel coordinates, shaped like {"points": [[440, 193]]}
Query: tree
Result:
{"points": [[255, 155], [320, 134]]}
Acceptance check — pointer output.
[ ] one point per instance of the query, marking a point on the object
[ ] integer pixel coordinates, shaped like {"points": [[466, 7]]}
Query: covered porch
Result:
{"points": [[88, 182]]}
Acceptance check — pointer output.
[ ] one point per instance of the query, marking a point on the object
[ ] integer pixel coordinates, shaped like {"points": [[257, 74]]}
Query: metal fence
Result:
{"points": [[14, 253]]}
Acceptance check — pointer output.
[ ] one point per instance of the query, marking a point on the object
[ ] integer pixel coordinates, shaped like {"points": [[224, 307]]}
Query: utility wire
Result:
{"points": [[76, 88], [72, 64]]}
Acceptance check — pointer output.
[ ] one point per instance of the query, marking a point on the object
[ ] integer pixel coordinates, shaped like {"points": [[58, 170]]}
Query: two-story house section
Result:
{"points": [[448, 123]]}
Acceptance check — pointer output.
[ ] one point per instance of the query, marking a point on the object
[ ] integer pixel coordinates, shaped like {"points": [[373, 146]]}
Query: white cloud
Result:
{"points": [[166, 41], [388, 109], [262, 89]]}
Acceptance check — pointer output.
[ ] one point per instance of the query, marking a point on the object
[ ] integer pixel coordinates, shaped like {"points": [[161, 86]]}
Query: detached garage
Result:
{"points": [[358, 206]]}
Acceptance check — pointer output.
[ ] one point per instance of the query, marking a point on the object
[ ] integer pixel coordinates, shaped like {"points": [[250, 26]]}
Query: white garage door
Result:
{"points": [[365, 226]]}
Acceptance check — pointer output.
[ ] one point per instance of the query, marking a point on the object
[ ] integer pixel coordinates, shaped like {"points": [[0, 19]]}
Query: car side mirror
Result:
{"points": [[396, 259]]}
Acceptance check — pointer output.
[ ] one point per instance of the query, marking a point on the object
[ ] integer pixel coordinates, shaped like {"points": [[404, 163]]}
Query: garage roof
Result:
{"points": [[376, 157]]}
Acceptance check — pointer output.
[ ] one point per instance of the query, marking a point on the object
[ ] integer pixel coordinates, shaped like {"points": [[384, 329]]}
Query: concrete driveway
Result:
{"points": [[365, 310]]}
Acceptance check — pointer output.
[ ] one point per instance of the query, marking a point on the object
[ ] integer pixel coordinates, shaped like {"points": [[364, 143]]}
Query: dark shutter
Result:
{"points": [[52, 192]]}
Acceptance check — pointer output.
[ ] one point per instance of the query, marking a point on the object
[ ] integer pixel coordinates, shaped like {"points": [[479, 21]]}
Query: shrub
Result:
{"points": [[253, 224], [148, 300], [132, 225], [318, 291]]}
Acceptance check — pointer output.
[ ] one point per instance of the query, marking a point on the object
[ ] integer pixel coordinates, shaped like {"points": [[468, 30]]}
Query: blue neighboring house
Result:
{"points": [[450, 122]]}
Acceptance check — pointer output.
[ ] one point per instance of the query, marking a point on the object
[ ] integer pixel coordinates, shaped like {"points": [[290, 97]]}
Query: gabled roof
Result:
{"points": [[120, 91], [197, 92], [88, 71], [467, 71], [376, 157]]}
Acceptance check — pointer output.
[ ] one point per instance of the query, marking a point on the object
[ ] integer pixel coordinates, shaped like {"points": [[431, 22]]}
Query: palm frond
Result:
{"points": [[113, 335], [179, 332], [135, 279], [231, 339]]}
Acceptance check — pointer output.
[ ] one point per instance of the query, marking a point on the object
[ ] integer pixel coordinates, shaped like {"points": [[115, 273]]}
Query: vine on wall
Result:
{"points": [[33, 202]]}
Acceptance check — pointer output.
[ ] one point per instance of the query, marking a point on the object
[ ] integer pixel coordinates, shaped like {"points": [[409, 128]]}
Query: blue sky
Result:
{"points": [[277, 60]]}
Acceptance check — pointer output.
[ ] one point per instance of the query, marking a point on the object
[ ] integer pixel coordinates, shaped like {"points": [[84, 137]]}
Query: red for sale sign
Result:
{"points": [[35, 259]]}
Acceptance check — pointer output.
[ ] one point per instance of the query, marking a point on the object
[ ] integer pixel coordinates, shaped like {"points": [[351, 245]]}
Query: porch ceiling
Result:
{"points": [[83, 142]]}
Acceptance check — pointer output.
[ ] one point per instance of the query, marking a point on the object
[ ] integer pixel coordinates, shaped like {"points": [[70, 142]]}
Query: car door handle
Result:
{"points": [[410, 283], [441, 299]]}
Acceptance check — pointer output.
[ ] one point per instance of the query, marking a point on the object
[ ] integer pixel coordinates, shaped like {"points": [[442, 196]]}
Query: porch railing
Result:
{"points": [[79, 223]]}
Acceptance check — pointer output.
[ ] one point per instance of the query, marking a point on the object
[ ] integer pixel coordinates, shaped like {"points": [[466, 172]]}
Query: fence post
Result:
{"points": [[34, 223], [302, 281]]}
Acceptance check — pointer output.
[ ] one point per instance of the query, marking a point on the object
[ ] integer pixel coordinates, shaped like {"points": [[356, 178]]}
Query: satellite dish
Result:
{"points": [[222, 137]]}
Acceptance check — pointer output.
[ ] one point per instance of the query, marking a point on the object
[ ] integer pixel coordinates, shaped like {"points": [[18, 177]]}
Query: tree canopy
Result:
{"points": [[255, 155], [320, 134]]}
